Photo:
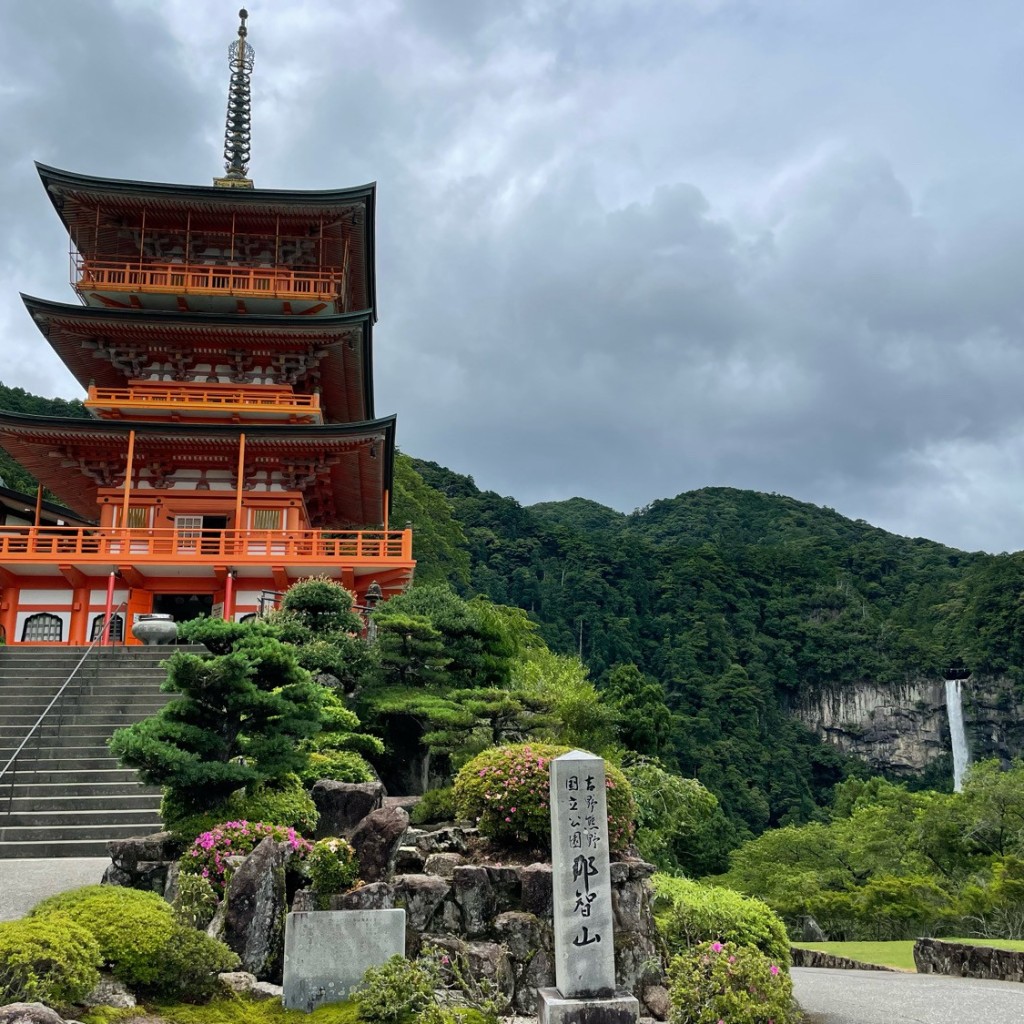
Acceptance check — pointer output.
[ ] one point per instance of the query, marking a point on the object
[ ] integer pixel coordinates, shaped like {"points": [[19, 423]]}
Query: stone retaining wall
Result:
{"points": [[817, 958], [964, 961]]}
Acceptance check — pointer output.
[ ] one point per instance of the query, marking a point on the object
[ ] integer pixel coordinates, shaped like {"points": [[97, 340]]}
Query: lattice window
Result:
{"points": [[43, 626], [116, 628], [266, 519]]}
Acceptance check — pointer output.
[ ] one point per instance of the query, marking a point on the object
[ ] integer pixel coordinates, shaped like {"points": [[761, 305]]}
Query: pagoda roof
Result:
{"points": [[76, 196], [342, 470], [104, 347]]}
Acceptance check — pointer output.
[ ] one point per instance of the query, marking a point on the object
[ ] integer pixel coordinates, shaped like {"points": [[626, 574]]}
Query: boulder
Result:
{"points": [[171, 887], [443, 864], [303, 901], [375, 896], [447, 839], [474, 894], [256, 901], [409, 860], [160, 846], [489, 963], [421, 895], [657, 1001], [342, 805], [242, 983], [506, 885], [537, 889], [376, 841], [29, 1013], [110, 992]]}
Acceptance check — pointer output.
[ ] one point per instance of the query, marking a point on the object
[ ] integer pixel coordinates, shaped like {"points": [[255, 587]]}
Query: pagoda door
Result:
{"points": [[140, 602]]}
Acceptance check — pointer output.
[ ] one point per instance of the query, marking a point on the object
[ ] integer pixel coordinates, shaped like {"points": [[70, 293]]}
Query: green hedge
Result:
{"points": [[689, 913], [50, 960], [505, 790]]}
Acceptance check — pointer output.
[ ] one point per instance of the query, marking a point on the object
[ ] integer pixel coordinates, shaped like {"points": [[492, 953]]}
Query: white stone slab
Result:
{"points": [[327, 952], [581, 879]]}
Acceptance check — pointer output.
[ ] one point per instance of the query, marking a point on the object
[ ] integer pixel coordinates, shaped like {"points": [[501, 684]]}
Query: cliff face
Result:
{"points": [[902, 729]]}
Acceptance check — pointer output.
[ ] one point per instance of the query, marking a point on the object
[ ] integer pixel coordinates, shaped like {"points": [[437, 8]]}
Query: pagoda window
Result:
{"points": [[43, 627], [116, 628], [266, 518]]}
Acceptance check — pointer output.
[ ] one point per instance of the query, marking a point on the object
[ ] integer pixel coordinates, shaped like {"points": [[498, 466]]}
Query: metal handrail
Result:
{"points": [[49, 707]]}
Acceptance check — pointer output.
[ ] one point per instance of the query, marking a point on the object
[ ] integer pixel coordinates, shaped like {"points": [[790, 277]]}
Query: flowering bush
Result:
{"points": [[720, 981], [332, 867], [208, 855], [505, 789]]}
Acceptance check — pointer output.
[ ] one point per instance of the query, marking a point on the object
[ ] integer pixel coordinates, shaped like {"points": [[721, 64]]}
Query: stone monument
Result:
{"points": [[585, 990], [327, 952]]}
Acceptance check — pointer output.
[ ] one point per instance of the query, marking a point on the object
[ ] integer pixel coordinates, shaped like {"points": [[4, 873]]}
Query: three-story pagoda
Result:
{"points": [[225, 342]]}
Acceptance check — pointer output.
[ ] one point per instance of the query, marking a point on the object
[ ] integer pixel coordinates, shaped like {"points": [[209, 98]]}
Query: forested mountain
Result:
{"points": [[738, 603], [732, 606]]}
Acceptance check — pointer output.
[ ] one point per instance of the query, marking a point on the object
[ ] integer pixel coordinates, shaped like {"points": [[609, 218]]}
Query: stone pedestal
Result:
{"points": [[553, 1008], [327, 952]]}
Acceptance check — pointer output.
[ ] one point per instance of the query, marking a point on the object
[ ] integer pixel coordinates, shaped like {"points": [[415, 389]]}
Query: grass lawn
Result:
{"points": [[897, 954], [1017, 945], [888, 954]]}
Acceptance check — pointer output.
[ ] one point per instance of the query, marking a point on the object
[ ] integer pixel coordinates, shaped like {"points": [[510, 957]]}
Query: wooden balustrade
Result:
{"points": [[19, 544], [324, 284], [196, 395]]}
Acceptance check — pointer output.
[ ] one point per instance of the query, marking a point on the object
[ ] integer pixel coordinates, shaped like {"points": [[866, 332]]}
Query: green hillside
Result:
{"points": [[706, 615]]}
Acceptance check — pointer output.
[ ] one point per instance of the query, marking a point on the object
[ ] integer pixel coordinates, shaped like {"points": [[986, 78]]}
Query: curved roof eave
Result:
{"points": [[242, 197]]}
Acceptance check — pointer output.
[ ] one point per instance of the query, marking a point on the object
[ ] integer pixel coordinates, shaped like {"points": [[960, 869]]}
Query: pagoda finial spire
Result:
{"points": [[238, 134]]}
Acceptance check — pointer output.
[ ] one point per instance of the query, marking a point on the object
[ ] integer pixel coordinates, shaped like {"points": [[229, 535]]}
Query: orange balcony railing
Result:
{"points": [[23, 544], [206, 400], [323, 285]]}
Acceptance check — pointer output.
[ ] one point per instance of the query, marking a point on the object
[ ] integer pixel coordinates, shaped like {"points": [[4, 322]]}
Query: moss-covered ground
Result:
{"points": [[226, 1011]]}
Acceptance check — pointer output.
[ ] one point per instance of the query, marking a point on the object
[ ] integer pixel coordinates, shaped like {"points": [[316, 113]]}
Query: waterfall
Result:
{"points": [[957, 736]]}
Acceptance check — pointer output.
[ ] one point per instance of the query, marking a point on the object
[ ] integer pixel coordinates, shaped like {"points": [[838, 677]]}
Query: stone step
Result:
{"points": [[83, 776], [62, 833], [32, 802], [44, 791], [77, 824], [55, 848]]}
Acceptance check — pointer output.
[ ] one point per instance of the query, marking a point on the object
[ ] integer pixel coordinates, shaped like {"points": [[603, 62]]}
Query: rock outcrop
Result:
{"points": [[903, 728], [931, 956]]}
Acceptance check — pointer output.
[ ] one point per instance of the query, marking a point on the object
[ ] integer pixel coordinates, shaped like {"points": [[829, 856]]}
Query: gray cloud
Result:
{"points": [[625, 248]]}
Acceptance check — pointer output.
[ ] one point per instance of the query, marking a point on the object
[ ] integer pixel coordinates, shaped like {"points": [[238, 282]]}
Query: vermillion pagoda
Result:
{"points": [[225, 339]]}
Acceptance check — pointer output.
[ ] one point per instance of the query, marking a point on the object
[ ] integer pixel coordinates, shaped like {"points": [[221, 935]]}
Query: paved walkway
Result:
{"points": [[879, 997], [23, 883]]}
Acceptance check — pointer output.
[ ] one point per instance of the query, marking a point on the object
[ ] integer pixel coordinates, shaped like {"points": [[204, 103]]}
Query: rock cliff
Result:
{"points": [[903, 729]]}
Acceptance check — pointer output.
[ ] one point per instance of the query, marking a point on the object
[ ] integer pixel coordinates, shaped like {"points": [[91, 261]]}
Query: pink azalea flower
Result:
{"points": [[716, 947]]}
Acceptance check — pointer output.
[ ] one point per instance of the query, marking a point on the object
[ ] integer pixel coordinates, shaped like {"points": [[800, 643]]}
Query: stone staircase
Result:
{"points": [[69, 795]]}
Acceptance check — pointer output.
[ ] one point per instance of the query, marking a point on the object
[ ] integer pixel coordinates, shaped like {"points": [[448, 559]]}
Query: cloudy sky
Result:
{"points": [[627, 248]]}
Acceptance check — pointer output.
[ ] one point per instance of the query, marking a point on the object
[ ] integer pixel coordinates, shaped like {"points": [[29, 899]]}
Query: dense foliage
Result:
{"points": [[140, 942], [48, 960], [718, 982], [505, 791], [332, 867], [704, 617], [895, 864]]}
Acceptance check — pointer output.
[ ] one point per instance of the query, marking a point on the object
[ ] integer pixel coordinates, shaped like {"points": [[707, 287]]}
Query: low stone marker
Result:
{"points": [[584, 942], [326, 952]]}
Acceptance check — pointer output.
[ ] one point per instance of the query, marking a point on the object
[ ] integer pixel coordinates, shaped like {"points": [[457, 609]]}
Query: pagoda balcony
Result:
{"points": [[101, 549], [207, 287], [211, 403]]}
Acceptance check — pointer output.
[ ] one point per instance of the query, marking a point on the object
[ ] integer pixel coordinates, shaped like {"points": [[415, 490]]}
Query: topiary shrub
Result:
{"points": [[505, 790], [132, 928], [689, 913], [321, 604], [287, 804], [338, 766], [332, 867], [50, 960], [189, 966], [435, 805], [716, 982], [208, 855]]}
